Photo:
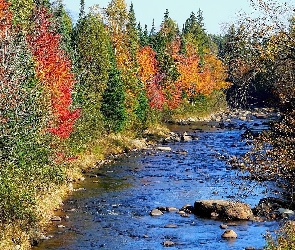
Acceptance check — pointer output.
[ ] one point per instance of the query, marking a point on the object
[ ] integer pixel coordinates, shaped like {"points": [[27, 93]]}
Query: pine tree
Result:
{"points": [[64, 27], [113, 99], [194, 34], [92, 64], [82, 9]]}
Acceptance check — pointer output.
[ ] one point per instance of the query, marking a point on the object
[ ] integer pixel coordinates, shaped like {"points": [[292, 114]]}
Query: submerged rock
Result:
{"points": [[230, 210]]}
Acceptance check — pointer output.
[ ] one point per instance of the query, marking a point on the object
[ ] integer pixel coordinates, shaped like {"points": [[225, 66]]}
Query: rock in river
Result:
{"points": [[230, 210], [156, 212], [229, 234]]}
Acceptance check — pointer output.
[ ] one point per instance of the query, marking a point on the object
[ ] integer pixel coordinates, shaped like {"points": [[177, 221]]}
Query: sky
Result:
{"points": [[216, 13]]}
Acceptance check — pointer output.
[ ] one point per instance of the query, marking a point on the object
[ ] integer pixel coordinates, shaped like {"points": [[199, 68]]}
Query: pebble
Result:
{"points": [[214, 215], [164, 148], [184, 215]]}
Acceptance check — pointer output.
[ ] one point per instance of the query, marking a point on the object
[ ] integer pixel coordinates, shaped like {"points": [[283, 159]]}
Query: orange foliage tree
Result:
{"points": [[195, 78], [5, 18], [148, 64], [151, 77], [53, 69]]}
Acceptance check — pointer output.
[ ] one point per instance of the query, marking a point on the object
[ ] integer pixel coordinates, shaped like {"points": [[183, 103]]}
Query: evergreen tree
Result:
{"points": [[194, 33], [143, 35], [163, 45], [90, 44], [64, 27], [82, 9], [113, 99], [132, 36]]}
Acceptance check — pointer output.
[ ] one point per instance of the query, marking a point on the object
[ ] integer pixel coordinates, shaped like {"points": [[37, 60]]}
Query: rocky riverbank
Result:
{"points": [[188, 151]]}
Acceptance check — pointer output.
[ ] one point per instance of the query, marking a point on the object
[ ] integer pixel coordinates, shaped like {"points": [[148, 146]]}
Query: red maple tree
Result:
{"points": [[53, 68]]}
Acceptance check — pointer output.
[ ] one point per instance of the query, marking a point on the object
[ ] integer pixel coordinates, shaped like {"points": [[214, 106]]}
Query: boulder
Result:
{"points": [[185, 137], [229, 234], [229, 210], [156, 212]]}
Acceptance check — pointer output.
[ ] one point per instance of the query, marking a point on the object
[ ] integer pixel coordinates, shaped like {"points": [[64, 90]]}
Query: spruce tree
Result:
{"points": [[195, 34], [113, 99], [90, 43]]}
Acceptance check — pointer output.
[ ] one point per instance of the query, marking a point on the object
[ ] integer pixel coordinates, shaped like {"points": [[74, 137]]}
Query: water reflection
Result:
{"points": [[113, 211]]}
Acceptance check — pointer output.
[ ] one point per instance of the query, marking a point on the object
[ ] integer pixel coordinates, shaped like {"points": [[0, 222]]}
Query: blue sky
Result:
{"points": [[215, 12]]}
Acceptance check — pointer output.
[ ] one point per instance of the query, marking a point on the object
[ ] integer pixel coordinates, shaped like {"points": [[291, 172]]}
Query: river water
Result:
{"points": [[111, 209]]}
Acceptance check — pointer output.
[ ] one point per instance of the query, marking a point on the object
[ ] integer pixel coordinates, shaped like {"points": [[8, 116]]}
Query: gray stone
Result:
{"points": [[230, 210], [229, 234], [285, 212], [156, 212], [164, 148], [168, 243], [55, 218], [223, 226], [170, 226], [172, 209], [185, 137]]}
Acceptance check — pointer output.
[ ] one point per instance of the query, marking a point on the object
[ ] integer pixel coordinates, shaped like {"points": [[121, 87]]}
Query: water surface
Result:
{"points": [[113, 210]]}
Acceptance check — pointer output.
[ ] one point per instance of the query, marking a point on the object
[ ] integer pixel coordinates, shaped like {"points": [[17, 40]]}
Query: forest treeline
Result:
{"points": [[64, 86]]}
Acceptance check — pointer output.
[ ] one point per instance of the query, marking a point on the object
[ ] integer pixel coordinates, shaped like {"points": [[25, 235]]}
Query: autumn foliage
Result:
{"points": [[5, 18], [193, 79], [53, 69]]}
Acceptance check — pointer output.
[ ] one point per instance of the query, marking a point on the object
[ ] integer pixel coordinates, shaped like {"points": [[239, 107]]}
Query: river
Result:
{"points": [[111, 208]]}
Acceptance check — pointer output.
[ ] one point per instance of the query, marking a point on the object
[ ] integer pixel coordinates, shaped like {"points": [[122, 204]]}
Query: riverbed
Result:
{"points": [[111, 208]]}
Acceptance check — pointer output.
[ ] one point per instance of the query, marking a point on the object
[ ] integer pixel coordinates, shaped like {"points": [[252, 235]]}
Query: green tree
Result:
{"points": [[22, 11], [113, 99], [91, 64], [64, 27], [195, 34], [143, 35], [163, 44]]}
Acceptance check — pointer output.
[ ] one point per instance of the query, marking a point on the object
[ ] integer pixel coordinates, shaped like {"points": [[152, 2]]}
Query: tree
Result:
{"points": [[92, 64], [25, 151], [64, 27], [144, 39], [22, 11], [53, 69], [260, 48], [194, 34], [113, 99]]}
